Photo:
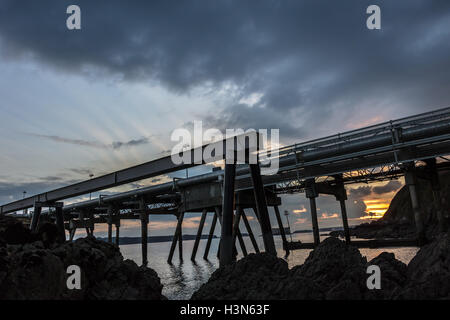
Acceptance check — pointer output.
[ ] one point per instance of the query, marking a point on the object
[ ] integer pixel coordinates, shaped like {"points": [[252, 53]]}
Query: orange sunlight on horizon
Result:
{"points": [[375, 208]]}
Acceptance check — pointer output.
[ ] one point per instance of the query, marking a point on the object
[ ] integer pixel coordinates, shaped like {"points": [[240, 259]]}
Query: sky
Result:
{"points": [[108, 96]]}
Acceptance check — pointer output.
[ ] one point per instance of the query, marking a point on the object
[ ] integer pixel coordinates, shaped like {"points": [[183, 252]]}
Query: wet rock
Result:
{"points": [[338, 269], [332, 271], [393, 276], [33, 266], [257, 276], [428, 273]]}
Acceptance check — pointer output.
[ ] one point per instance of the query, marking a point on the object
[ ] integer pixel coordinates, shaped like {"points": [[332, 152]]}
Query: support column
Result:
{"points": [[144, 231], [210, 236], [237, 232], [312, 194], [35, 219], [91, 222], [60, 222], [282, 233], [72, 233], [175, 237], [199, 234], [411, 182], [117, 232], [180, 239], [341, 196], [226, 238], [436, 188], [109, 222], [249, 230], [261, 206]]}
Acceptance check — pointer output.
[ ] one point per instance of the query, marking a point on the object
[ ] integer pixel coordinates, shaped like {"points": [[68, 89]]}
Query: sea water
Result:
{"points": [[182, 279]]}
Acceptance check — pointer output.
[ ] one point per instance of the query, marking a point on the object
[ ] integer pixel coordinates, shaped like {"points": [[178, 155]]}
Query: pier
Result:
{"points": [[414, 147]]}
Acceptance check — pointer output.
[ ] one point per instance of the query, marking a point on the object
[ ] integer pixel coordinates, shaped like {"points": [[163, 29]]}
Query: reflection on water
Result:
{"points": [[181, 279]]}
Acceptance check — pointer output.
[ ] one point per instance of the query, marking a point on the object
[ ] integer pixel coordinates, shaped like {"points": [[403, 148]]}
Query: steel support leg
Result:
{"points": [[345, 221], [175, 237], [109, 221], [144, 231], [280, 226], [226, 239], [261, 206], [35, 219], [117, 234], [237, 232], [311, 193], [60, 223], [72, 233], [341, 196], [411, 182], [210, 236], [199, 234], [249, 231], [436, 188]]}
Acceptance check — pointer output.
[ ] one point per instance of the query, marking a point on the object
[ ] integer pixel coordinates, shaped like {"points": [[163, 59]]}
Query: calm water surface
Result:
{"points": [[180, 280]]}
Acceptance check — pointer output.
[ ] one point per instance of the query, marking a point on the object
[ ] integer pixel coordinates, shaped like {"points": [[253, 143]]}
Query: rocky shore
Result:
{"points": [[398, 221], [334, 271], [34, 266]]}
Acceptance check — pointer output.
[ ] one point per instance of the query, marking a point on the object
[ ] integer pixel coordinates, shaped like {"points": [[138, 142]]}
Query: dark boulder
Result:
{"points": [[393, 276], [338, 269], [428, 273], [33, 267], [257, 276]]}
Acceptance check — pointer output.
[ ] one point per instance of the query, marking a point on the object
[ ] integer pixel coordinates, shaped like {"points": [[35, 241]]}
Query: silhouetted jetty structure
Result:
{"points": [[406, 147]]}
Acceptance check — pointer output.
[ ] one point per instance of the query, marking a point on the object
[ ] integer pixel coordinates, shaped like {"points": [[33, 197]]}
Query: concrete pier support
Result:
{"points": [[341, 196], [249, 231], [109, 222], [199, 234], [60, 222], [117, 233], [280, 226], [91, 224], [411, 182], [312, 194], [175, 237], [35, 219], [237, 233], [261, 206], [210, 236], [436, 189], [180, 238], [144, 231], [226, 238], [72, 233]]}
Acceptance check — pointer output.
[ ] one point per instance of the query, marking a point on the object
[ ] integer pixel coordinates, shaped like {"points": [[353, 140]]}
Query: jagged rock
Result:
{"points": [[328, 273], [33, 266], [338, 269], [257, 276], [428, 273], [398, 221], [393, 276]]}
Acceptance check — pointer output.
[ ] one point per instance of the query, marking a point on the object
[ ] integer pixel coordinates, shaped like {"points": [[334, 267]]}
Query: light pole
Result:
{"points": [[286, 213], [90, 177]]}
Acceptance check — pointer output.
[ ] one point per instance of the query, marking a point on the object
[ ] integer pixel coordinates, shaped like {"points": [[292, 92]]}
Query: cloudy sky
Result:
{"points": [[108, 96]]}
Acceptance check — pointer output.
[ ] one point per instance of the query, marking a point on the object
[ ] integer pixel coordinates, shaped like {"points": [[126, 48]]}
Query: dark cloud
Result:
{"points": [[314, 63], [364, 191], [94, 144], [360, 192], [11, 191], [391, 186], [84, 172]]}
